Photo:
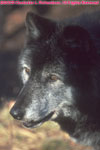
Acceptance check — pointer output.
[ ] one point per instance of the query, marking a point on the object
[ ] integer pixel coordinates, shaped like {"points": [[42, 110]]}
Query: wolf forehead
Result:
{"points": [[54, 47], [48, 41]]}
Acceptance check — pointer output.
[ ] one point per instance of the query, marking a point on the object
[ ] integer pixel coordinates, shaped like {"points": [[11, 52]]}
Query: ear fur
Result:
{"points": [[77, 45], [38, 26], [76, 37]]}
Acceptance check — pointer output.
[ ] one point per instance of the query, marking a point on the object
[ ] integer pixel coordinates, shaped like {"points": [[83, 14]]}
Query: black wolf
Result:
{"points": [[60, 70]]}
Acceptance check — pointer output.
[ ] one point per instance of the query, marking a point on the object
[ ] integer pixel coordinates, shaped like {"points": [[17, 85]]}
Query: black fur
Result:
{"points": [[63, 77]]}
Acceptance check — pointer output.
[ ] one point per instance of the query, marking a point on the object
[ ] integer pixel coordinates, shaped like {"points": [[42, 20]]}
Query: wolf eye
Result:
{"points": [[53, 77], [27, 70], [25, 74]]}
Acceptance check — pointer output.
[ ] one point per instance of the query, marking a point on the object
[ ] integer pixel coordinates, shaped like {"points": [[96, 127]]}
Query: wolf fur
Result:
{"points": [[60, 70]]}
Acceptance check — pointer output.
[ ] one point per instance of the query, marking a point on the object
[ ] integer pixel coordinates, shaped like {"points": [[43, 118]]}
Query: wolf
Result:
{"points": [[59, 67]]}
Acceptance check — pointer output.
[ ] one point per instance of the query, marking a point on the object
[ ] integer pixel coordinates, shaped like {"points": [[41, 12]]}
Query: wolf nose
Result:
{"points": [[17, 113]]}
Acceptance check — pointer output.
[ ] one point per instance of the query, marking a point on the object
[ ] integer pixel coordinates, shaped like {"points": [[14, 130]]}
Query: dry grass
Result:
{"points": [[13, 136]]}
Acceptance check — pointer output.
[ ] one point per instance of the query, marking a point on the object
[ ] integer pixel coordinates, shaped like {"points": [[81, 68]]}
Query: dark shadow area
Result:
{"points": [[9, 83]]}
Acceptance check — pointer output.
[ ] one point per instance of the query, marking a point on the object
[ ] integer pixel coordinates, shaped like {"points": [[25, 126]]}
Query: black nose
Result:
{"points": [[17, 113]]}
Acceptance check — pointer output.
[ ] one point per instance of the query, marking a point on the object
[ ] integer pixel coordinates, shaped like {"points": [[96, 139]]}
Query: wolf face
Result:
{"points": [[59, 68]]}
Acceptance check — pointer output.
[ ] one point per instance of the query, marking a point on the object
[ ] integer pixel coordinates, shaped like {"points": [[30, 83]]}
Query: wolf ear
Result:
{"points": [[76, 38], [38, 26], [77, 44]]}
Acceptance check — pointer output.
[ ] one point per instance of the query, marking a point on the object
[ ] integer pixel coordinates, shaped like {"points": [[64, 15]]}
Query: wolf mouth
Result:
{"points": [[34, 124]]}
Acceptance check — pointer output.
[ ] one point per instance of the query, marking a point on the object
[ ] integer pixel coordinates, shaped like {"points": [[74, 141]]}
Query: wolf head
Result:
{"points": [[57, 69]]}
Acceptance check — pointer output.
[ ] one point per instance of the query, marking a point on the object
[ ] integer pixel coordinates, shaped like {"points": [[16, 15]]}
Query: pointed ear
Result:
{"points": [[38, 26], [76, 39], [77, 45]]}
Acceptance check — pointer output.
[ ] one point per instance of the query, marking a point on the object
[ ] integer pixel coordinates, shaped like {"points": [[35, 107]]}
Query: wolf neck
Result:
{"points": [[82, 131], [90, 138]]}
